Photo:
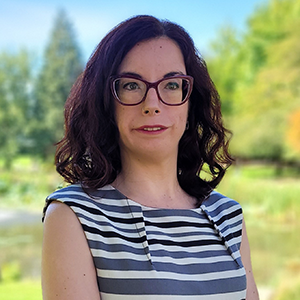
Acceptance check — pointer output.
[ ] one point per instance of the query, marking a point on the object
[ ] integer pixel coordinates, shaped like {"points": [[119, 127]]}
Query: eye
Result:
{"points": [[172, 85], [131, 86]]}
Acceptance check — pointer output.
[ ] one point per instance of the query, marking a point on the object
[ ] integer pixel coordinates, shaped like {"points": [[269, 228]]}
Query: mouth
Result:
{"points": [[154, 128]]}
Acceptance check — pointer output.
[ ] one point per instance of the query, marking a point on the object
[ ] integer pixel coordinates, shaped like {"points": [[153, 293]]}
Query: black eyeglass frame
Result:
{"points": [[150, 85]]}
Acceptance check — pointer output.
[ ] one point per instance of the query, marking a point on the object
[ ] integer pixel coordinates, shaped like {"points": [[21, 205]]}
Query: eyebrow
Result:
{"points": [[170, 74]]}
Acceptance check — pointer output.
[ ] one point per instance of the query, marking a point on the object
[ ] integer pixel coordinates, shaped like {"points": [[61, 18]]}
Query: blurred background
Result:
{"points": [[252, 50]]}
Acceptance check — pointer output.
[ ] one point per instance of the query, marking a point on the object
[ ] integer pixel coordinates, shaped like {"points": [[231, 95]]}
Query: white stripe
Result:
{"points": [[72, 196], [191, 260], [119, 255], [222, 201], [181, 230], [195, 249], [122, 227], [232, 229], [179, 239], [152, 274], [226, 212], [165, 259], [107, 188], [115, 229], [113, 240], [234, 241], [94, 206], [178, 218]]}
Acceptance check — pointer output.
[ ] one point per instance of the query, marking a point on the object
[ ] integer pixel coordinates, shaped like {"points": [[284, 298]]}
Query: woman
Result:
{"points": [[138, 222]]}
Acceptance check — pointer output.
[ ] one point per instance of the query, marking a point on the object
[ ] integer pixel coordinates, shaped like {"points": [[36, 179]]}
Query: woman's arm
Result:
{"points": [[252, 293], [68, 270]]}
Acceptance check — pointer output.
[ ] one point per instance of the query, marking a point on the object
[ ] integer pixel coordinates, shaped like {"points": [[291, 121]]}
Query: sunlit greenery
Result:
{"points": [[257, 73], [27, 182], [21, 290]]}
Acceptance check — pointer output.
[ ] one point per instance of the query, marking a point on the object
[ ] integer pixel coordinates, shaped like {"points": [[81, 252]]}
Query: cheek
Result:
{"points": [[181, 121], [182, 125], [120, 114], [183, 117], [124, 117]]}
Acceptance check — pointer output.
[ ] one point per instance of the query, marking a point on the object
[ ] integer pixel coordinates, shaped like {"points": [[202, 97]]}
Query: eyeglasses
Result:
{"points": [[130, 90]]}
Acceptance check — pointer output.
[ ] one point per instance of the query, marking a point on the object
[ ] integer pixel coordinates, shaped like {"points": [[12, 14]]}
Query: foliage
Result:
{"points": [[23, 290], [15, 96], [226, 53], [10, 271], [27, 183], [62, 65], [31, 115], [264, 73], [259, 189]]}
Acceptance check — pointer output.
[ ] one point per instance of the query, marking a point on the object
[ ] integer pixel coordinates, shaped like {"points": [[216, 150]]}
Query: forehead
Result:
{"points": [[154, 58]]}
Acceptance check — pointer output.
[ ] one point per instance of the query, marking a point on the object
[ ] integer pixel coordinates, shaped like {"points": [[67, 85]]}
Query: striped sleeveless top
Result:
{"points": [[152, 253]]}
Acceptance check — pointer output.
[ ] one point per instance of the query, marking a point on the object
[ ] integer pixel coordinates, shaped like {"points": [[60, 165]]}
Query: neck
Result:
{"points": [[152, 183]]}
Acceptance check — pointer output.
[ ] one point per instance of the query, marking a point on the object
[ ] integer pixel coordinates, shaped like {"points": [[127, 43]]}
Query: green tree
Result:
{"points": [[266, 67], [62, 65], [15, 102], [225, 67], [262, 113]]}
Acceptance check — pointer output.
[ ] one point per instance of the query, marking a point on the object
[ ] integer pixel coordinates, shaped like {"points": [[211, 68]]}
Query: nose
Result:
{"points": [[151, 105]]}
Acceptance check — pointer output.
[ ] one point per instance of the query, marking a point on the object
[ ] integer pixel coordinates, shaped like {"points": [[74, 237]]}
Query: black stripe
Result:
{"points": [[229, 216], [97, 211], [185, 252], [185, 244], [233, 235], [99, 224], [179, 224], [116, 247], [110, 234]]}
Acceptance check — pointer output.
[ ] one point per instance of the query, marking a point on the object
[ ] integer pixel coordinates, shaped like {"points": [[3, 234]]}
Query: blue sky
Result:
{"points": [[28, 23]]}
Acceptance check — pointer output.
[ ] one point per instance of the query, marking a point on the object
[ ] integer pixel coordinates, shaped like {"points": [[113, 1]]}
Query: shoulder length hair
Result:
{"points": [[89, 151]]}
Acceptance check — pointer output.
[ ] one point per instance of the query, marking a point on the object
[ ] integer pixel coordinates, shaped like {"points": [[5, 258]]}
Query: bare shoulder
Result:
{"points": [[68, 270], [55, 210], [252, 292]]}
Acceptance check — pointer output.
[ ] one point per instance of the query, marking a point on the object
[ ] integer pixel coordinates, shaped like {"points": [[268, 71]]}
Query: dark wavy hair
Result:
{"points": [[89, 151]]}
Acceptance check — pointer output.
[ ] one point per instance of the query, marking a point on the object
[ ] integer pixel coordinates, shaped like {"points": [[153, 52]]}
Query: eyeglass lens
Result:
{"points": [[171, 90]]}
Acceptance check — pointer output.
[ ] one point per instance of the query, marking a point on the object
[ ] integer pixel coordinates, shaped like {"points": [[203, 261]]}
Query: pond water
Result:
{"points": [[20, 244], [275, 250]]}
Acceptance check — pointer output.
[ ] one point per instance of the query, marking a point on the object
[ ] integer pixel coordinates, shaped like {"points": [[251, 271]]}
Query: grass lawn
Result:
{"points": [[21, 290]]}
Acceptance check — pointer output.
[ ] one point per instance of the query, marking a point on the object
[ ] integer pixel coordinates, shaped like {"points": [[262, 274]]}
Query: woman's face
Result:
{"points": [[152, 128]]}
